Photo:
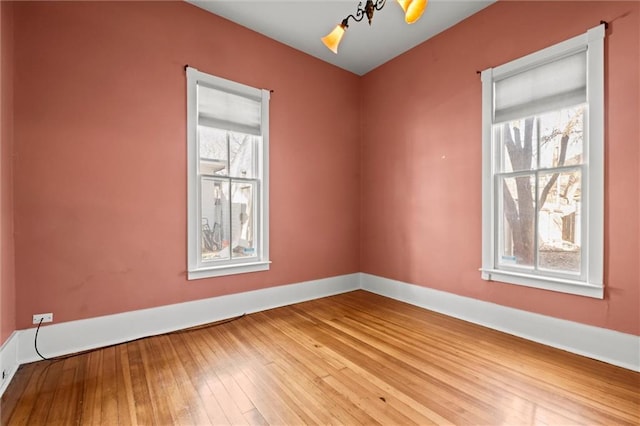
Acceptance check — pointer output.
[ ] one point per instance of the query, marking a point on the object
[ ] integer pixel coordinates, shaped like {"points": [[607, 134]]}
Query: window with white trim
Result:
{"points": [[543, 168], [227, 166]]}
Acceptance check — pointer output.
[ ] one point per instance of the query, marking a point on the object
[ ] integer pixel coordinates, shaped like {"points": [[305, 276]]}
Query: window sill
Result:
{"points": [[222, 270], [580, 288]]}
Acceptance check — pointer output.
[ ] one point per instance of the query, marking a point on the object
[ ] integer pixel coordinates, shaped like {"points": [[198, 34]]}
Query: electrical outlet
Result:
{"points": [[45, 318]]}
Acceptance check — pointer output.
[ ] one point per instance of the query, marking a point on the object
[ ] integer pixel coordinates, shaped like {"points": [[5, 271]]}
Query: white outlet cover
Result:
{"points": [[45, 318]]}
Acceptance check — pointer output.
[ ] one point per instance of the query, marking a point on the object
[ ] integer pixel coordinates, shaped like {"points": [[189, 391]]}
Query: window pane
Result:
{"points": [[215, 233], [561, 137], [213, 151], [559, 220], [517, 220], [242, 152], [518, 144], [228, 197], [243, 221]]}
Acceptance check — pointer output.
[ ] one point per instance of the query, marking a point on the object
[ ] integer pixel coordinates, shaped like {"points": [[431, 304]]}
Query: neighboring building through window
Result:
{"points": [[543, 177], [227, 165]]}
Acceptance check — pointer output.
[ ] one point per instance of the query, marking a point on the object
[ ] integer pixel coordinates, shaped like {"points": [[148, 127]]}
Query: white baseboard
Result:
{"points": [[610, 346], [75, 336], [8, 361]]}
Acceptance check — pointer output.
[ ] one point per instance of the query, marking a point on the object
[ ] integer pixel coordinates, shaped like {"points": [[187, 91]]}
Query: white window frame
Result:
{"points": [[591, 281], [196, 268]]}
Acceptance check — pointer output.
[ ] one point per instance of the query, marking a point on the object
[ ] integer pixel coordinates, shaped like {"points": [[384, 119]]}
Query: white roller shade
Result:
{"points": [[543, 88], [224, 110]]}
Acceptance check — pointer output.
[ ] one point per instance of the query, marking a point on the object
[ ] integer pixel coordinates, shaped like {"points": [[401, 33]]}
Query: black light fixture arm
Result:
{"points": [[412, 11], [368, 9]]}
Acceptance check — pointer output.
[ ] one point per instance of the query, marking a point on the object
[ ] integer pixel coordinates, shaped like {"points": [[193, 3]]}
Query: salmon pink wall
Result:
{"points": [[7, 282], [421, 157], [100, 143], [99, 187]]}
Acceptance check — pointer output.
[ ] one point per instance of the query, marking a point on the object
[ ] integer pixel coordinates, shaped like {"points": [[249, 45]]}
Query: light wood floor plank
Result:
{"points": [[354, 358], [126, 398], [139, 387], [68, 390], [219, 408], [46, 391], [160, 404], [25, 385]]}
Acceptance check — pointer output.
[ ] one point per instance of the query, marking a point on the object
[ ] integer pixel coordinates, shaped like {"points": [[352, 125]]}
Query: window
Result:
{"points": [[543, 168], [227, 166]]}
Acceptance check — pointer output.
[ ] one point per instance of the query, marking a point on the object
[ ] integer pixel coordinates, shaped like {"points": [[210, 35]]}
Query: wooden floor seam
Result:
{"points": [[354, 358]]}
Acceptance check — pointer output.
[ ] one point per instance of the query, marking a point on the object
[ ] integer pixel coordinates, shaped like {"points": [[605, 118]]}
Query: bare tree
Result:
{"points": [[520, 212]]}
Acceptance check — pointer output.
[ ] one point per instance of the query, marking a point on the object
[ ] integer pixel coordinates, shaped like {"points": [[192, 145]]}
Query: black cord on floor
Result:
{"points": [[185, 330]]}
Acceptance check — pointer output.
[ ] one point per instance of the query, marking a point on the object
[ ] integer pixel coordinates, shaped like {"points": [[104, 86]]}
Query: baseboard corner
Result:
{"points": [[8, 361], [612, 347]]}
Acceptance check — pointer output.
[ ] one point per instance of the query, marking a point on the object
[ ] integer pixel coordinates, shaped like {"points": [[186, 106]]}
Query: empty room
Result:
{"points": [[320, 212]]}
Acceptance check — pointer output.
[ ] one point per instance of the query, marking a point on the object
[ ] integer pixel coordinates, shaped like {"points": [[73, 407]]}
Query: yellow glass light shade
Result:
{"points": [[332, 40], [413, 9]]}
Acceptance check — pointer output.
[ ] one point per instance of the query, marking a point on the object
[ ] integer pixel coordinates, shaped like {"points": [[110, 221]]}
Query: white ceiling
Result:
{"points": [[301, 23]]}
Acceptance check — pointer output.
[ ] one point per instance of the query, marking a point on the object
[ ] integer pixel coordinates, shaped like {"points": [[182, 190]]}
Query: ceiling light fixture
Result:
{"points": [[412, 12]]}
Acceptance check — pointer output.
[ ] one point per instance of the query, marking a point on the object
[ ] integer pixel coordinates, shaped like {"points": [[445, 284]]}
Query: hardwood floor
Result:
{"points": [[355, 358]]}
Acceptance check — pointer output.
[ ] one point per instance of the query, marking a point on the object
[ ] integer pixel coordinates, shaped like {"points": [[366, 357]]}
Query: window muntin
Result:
{"points": [[543, 147], [227, 176], [538, 182]]}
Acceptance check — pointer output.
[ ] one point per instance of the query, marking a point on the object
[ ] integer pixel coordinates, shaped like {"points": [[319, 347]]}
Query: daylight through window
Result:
{"points": [[228, 181], [543, 144]]}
